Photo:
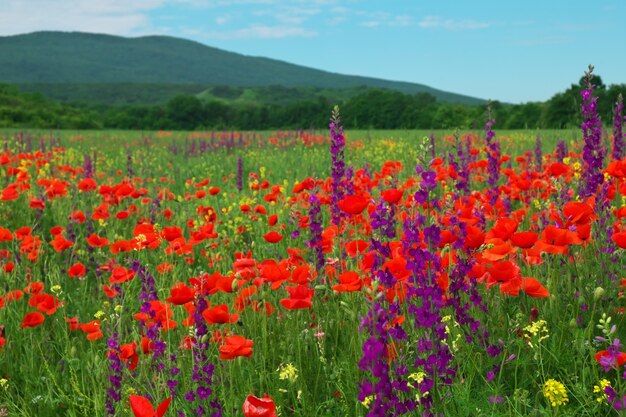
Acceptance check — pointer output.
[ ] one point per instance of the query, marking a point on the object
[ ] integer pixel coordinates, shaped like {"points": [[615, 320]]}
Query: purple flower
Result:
{"points": [[337, 143], [593, 151], [239, 174], [315, 231], [618, 135]]}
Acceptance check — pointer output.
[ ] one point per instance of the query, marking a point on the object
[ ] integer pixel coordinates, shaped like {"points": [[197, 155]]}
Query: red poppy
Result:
{"points": [[524, 240], [299, 297], [72, 322], [578, 213], [219, 314], [503, 229], [273, 237], [5, 235], [181, 294], [142, 407], [33, 319], [14, 295], [120, 275], [108, 291], [59, 243], [259, 407], [349, 282], [236, 346], [353, 204], [92, 329], [621, 359], [619, 239], [34, 287], [46, 303], [392, 196], [554, 240], [77, 270], [87, 184], [128, 353], [533, 288], [97, 241]]}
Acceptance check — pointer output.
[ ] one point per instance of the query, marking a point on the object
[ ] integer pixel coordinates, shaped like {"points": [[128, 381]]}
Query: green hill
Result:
{"points": [[45, 58]]}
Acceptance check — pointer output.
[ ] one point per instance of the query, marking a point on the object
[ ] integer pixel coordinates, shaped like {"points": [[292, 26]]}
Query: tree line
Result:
{"points": [[371, 109]]}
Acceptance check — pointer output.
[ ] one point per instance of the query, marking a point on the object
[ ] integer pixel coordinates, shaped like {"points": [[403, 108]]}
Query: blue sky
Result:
{"points": [[510, 51]]}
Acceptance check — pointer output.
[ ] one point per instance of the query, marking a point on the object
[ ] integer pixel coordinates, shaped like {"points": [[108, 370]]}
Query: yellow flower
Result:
{"points": [[288, 371], [367, 401], [536, 332], [555, 392], [4, 383], [599, 389]]}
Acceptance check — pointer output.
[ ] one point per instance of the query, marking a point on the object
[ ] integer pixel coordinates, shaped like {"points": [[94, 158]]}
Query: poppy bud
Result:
{"points": [[598, 293]]}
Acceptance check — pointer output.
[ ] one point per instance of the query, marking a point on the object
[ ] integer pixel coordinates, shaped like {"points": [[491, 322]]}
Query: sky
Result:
{"points": [[512, 51]]}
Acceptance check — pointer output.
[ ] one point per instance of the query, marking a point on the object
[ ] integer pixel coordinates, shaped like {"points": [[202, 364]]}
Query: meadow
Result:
{"points": [[299, 273]]}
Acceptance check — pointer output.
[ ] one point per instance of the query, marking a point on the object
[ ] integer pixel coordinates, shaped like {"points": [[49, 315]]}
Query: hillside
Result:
{"points": [[82, 58]]}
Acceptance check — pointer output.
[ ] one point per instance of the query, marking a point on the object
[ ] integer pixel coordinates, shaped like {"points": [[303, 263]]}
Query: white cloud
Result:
{"points": [[261, 32], [281, 18], [436, 22], [102, 16]]}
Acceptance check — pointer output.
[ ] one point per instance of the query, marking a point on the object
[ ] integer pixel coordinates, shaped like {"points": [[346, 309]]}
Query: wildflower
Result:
{"points": [[555, 392], [536, 332], [599, 389], [4, 383], [593, 151], [259, 407], [367, 401], [618, 135], [288, 372], [142, 407]]}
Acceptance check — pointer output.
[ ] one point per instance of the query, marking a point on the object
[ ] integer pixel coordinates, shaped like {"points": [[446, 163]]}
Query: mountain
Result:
{"points": [[49, 58]]}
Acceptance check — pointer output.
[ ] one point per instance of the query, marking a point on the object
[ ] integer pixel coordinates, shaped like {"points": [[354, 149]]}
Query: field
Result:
{"points": [[306, 273]]}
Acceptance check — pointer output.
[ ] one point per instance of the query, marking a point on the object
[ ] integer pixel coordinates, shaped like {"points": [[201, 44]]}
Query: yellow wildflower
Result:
{"points": [[555, 392], [288, 371], [599, 389]]}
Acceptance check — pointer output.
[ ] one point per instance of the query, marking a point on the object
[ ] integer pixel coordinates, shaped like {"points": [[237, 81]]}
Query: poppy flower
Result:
{"points": [[524, 240], [59, 243], [87, 184], [503, 229], [299, 297], [273, 237], [219, 314], [128, 353], [353, 204], [46, 303], [92, 329], [77, 270], [259, 407], [108, 291], [96, 241], [619, 239], [236, 346], [607, 362], [349, 281], [120, 275], [33, 319], [5, 235], [392, 196], [142, 407], [181, 294], [72, 322], [533, 288]]}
